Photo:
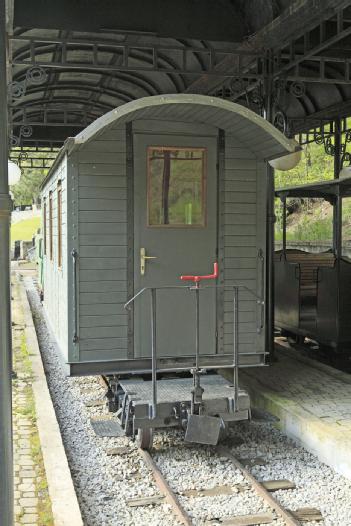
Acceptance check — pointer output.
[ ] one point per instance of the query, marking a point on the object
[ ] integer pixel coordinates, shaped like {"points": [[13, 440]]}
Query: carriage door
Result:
{"points": [[175, 223]]}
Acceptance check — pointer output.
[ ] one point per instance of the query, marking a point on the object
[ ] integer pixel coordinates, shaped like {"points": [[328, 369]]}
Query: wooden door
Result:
{"points": [[175, 221]]}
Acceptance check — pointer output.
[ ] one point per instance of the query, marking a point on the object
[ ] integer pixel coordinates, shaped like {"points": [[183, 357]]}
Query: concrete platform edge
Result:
{"points": [[65, 507], [327, 444]]}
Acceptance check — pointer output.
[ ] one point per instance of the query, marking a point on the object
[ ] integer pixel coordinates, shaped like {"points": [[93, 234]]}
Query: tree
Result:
{"points": [[27, 190], [314, 166]]}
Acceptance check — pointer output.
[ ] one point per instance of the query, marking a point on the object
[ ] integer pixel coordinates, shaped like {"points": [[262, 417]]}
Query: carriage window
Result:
{"points": [[309, 224], [346, 228], [44, 226], [59, 224], [176, 186], [50, 228]]}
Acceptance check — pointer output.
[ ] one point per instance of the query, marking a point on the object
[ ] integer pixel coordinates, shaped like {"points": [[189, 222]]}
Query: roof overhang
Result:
{"points": [[261, 137], [256, 133]]}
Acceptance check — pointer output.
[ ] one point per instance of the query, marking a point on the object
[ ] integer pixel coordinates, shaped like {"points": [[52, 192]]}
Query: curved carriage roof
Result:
{"points": [[254, 132]]}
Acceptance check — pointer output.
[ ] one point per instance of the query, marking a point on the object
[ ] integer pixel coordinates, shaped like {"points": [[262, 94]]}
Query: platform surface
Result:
{"points": [[312, 402]]}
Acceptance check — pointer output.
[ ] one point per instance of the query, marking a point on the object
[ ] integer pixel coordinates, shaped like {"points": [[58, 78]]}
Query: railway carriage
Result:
{"points": [[160, 188], [312, 285]]}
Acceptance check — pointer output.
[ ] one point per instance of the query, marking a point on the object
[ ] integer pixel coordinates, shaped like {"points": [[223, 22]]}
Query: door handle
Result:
{"points": [[143, 258]]}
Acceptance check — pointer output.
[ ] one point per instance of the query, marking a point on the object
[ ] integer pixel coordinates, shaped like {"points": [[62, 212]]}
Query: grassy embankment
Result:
{"points": [[310, 220], [25, 230]]}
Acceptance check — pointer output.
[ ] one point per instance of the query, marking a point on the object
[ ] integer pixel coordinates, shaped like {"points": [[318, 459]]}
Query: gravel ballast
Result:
{"points": [[105, 482]]}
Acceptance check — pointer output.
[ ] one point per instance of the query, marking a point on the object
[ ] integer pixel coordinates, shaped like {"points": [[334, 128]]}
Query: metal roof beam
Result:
{"points": [[139, 80], [161, 59], [108, 45], [300, 17], [33, 163], [325, 42], [325, 116], [44, 144]]}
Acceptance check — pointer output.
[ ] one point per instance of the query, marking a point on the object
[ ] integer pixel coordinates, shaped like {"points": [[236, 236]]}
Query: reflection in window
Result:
{"points": [[176, 186]]}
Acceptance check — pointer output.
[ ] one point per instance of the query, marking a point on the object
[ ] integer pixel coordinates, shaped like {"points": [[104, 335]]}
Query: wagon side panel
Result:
{"points": [[243, 230], [102, 218], [55, 267]]}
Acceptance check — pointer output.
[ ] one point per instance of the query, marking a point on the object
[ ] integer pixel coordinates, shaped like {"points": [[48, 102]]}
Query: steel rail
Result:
{"points": [[165, 489], [184, 517], [260, 489]]}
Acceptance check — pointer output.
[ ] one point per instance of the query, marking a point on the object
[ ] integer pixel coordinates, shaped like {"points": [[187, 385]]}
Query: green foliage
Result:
{"points": [[311, 220], [307, 230], [27, 190], [315, 165], [31, 161], [309, 224]]}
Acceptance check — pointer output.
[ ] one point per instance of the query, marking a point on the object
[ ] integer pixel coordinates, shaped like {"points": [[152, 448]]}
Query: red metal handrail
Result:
{"points": [[197, 279]]}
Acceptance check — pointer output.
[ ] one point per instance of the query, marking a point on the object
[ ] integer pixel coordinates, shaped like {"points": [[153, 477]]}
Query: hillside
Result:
{"points": [[310, 219], [25, 229]]}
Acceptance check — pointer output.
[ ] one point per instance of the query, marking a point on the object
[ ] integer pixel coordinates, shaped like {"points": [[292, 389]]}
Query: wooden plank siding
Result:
{"points": [[100, 237], [241, 213], [55, 277], [103, 248], [103, 241], [92, 325]]}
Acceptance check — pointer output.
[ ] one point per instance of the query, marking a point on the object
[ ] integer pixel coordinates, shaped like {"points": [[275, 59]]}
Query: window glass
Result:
{"points": [[59, 224], [176, 186], [44, 226], [309, 224], [50, 227], [346, 228]]}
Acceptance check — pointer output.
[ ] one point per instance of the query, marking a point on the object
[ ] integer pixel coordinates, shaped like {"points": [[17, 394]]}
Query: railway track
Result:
{"points": [[277, 514]]}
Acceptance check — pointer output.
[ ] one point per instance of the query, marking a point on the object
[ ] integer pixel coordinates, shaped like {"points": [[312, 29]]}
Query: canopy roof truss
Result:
{"points": [[64, 77]]}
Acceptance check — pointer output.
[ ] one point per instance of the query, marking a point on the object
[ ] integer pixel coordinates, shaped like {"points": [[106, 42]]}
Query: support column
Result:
{"points": [[338, 204], [284, 226], [337, 148], [270, 264], [270, 221], [6, 469]]}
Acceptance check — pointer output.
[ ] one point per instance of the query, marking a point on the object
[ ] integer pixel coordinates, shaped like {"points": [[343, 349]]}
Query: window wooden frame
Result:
{"points": [[51, 251], [59, 224], [203, 151], [44, 225]]}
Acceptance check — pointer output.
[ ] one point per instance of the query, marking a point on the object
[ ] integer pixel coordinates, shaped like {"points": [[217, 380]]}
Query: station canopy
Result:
{"points": [[323, 189], [71, 62]]}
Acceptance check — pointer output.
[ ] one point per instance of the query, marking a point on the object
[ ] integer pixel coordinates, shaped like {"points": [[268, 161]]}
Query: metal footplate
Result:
{"points": [[174, 400], [203, 404]]}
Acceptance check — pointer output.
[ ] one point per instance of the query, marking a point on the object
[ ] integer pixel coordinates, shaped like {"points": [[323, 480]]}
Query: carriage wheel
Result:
{"points": [[224, 432], [296, 339], [144, 438]]}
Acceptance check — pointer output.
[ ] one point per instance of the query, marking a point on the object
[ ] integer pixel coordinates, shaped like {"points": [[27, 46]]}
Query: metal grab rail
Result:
{"points": [[74, 255], [260, 257], [196, 289]]}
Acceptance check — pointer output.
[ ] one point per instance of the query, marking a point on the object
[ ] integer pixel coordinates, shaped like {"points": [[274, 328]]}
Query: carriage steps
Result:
{"points": [[311, 401]]}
